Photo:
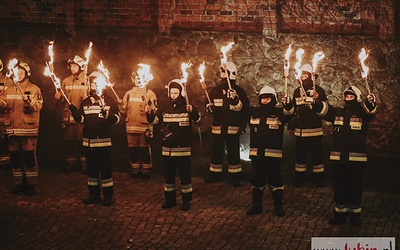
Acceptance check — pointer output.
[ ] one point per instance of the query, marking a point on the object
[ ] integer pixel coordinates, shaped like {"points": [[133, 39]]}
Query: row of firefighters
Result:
{"points": [[88, 119]]}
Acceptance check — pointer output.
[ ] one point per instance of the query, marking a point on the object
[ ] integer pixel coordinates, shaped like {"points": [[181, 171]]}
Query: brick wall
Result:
{"points": [[362, 17]]}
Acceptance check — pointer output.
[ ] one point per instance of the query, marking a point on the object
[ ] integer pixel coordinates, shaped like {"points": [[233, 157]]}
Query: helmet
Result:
{"points": [[25, 66], [267, 91], [1, 65], [353, 90], [77, 60], [306, 67], [176, 83]]}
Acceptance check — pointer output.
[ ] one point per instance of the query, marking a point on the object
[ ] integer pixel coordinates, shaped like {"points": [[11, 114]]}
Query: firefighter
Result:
{"points": [[22, 102], [348, 151], [229, 108], [5, 83], [138, 131], [175, 121], [76, 89], [98, 112], [307, 126], [267, 122]]}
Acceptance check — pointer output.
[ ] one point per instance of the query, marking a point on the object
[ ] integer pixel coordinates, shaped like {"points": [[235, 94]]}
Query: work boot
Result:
{"points": [[91, 200], [299, 179], [319, 179], [145, 175], [212, 177], [84, 170], [185, 206], [278, 202], [30, 190], [186, 198], [235, 179], [18, 189], [170, 199], [108, 201], [338, 218], [256, 207], [355, 219]]}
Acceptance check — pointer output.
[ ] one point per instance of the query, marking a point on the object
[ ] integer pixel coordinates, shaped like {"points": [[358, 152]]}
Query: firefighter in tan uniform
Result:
{"points": [[23, 102], [138, 130], [76, 89], [5, 83]]}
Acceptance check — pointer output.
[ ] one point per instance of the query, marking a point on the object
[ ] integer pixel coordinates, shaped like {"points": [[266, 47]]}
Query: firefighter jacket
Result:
{"points": [[175, 126], [132, 107], [267, 124], [350, 125], [98, 118], [5, 83], [306, 123], [76, 89], [230, 116], [23, 116]]}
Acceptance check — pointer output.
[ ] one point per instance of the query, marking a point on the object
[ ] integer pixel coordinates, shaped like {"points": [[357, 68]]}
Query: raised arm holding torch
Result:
{"points": [[107, 79], [286, 67], [202, 82], [184, 76], [299, 55], [224, 60], [364, 69], [317, 56], [144, 77]]}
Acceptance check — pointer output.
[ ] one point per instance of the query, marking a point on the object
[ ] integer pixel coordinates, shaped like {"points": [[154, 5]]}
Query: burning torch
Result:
{"points": [[364, 69], [224, 60], [85, 68], [144, 78], [101, 83], [104, 70], [299, 55], [202, 82], [184, 76], [13, 72], [317, 56], [286, 67], [49, 71]]}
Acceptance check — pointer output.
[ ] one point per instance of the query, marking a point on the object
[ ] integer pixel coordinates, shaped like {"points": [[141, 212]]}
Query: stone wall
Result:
{"points": [[258, 58]]}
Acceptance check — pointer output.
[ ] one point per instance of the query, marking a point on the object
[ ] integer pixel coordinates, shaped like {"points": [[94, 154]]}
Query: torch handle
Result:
{"points": [[115, 93], [186, 94], [227, 78], [286, 86], [203, 85], [367, 86]]}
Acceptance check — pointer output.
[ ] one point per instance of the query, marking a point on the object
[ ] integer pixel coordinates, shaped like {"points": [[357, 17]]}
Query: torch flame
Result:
{"points": [[317, 56], [299, 55], [224, 50], [51, 53], [364, 69], [103, 69], [201, 72], [144, 74], [13, 70], [48, 72], [184, 74], [101, 84], [87, 55], [286, 64]]}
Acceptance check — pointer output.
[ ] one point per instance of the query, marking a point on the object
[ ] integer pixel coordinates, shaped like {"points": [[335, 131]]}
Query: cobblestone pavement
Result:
{"points": [[56, 218]]}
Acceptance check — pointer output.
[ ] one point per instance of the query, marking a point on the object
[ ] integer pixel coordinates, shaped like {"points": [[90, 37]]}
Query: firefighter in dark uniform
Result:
{"points": [[98, 112], [175, 122], [267, 122], [348, 153], [23, 102], [230, 110], [76, 89], [307, 126]]}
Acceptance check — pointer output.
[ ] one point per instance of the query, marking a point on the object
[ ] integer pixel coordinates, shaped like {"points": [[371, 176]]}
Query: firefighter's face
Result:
{"points": [[74, 68], [349, 97], [21, 74], [265, 100], [174, 93], [304, 76]]}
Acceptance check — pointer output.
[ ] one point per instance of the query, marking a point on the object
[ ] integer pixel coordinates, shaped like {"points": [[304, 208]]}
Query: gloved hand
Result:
{"points": [[231, 93], [371, 98], [309, 100], [104, 113], [75, 112], [209, 108]]}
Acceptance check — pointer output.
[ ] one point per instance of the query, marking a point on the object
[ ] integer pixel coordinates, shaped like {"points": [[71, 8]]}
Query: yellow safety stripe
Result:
{"points": [[76, 87], [216, 130], [273, 189], [216, 168], [308, 132], [235, 168], [108, 184], [362, 157], [22, 131], [167, 151], [254, 120], [341, 210], [232, 130], [182, 117], [318, 168], [135, 99], [273, 121], [136, 128], [93, 183], [218, 102], [236, 107], [288, 112], [97, 143], [300, 167]]}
